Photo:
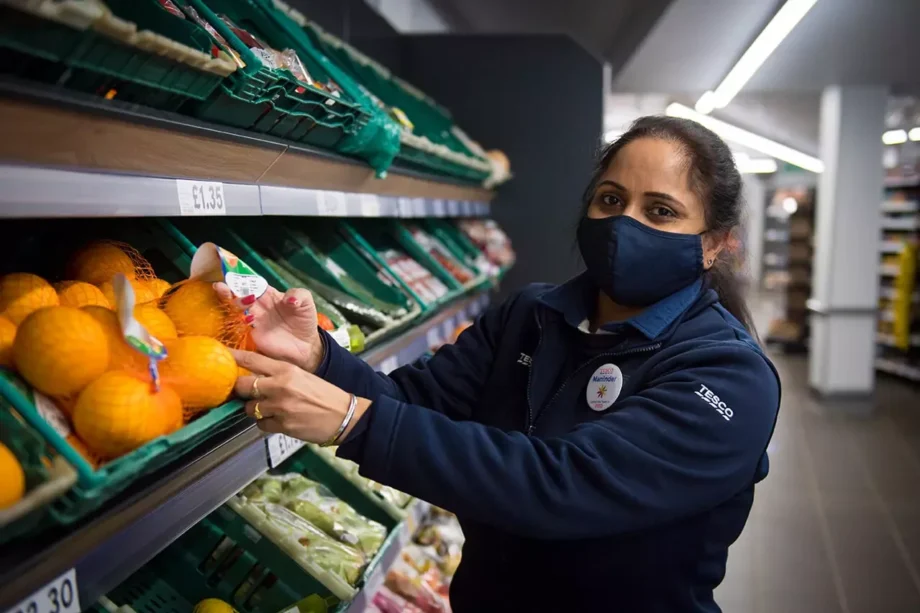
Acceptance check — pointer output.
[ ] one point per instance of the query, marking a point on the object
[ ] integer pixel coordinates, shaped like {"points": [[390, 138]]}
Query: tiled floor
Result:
{"points": [[835, 527]]}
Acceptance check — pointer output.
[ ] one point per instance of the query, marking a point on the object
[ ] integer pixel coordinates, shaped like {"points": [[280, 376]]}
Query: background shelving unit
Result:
{"points": [[47, 172]]}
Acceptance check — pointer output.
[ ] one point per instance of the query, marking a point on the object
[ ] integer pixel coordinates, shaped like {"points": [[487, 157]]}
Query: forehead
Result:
{"points": [[651, 164]]}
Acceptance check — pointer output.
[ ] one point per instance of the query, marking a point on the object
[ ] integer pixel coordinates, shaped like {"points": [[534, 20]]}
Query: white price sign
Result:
{"points": [[389, 365], [58, 596], [453, 208], [281, 447], [405, 207], [440, 208], [434, 338], [201, 198], [418, 207], [331, 204], [370, 205]]}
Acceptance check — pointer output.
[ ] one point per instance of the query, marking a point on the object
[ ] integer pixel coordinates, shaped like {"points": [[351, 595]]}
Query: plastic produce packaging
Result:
{"points": [[441, 254], [488, 236], [337, 565], [416, 577], [348, 468], [425, 285], [315, 503]]}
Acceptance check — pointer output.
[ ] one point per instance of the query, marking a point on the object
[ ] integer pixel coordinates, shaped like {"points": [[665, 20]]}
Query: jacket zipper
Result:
{"points": [[611, 354], [533, 361]]}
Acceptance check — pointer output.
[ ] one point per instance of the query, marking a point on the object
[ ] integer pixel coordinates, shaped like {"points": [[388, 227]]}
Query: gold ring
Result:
{"points": [[255, 388], [256, 412]]}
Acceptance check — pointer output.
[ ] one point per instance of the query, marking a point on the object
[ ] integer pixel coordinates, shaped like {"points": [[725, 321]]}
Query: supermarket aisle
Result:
{"points": [[836, 525]]}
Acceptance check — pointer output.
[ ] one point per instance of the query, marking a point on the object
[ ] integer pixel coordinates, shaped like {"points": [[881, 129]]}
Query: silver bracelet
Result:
{"points": [[352, 405]]}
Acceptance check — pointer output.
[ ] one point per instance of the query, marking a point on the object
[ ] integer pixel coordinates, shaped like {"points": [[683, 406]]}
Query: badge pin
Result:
{"points": [[604, 387]]}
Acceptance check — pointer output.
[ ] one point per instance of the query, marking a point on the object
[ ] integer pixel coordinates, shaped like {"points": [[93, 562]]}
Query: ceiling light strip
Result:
{"points": [[748, 139]]}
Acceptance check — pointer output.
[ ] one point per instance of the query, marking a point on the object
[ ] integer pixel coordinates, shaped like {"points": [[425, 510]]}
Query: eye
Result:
{"points": [[611, 200], [662, 211]]}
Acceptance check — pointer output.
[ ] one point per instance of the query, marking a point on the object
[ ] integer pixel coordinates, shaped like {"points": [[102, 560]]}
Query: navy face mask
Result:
{"points": [[637, 265]]}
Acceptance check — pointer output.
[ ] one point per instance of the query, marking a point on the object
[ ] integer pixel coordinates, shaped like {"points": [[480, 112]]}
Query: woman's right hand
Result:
{"points": [[284, 326]]}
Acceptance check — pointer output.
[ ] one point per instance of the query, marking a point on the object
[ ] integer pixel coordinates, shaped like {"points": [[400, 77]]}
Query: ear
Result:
{"points": [[713, 244]]}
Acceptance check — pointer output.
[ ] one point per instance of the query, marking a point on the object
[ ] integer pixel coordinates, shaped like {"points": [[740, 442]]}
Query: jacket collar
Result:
{"points": [[574, 299]]}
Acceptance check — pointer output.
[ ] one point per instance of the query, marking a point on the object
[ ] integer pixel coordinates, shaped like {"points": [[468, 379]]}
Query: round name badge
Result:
{"points": [[604, 387]]}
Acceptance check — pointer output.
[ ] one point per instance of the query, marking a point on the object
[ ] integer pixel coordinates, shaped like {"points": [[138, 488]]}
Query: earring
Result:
{"points": [[710, 261]]}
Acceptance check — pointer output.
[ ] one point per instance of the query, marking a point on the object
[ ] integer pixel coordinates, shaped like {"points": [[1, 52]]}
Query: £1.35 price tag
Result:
{"points": [[280, 447], [58, 596], [370, 205], [201, 198], [331, 204]]}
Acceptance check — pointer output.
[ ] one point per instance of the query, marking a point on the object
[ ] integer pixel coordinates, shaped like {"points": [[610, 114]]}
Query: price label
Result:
{"points": [[389, 365], [419, 207], [439, 206], [466, 208], [453, 208], [370, 205], [281, 447], [434, 338], [405, 207], [58, 596], [331, 204], [201, 198]]}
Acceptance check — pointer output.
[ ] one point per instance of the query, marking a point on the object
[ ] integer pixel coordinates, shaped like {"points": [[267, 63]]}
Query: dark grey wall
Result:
{"points": [[539, 99]]}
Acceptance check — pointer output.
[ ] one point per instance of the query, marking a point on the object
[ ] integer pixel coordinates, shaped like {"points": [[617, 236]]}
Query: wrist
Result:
{"points": [[313, 354], [362, 407]]}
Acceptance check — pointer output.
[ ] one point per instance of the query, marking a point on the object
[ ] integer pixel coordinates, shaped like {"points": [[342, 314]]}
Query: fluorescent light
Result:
{"points": [[790, 205], [705, 104], [748, 139], [758, 166], [914, 134], [612, 135], [895, 137], [765, 44]]}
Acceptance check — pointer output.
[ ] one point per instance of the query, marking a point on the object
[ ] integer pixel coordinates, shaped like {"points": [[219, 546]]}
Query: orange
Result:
{"points": [[119, 412], [196, 310], [142, 292], [80, 293], [7, 335], [12, 478], [158, 286], [98, 262], [200, 369], [122, 356], [21, 293], [60, 350], [80, 447], [156, 322]]}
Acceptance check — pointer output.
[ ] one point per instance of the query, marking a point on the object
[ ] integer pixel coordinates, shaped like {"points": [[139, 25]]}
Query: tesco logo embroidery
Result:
{"points": [[712, 400]]}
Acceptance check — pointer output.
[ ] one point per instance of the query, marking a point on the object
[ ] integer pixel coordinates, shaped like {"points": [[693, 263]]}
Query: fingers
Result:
{"points": [[270, 426], [258, 363], [223, 292], [297, 299]]}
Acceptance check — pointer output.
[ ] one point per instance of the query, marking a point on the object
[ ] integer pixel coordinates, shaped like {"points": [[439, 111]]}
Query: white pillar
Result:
{"points": [[755, 196], [847, 235]]}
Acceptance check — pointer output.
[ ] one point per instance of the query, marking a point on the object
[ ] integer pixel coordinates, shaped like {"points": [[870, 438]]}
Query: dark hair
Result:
{"points": [[716, 181]]}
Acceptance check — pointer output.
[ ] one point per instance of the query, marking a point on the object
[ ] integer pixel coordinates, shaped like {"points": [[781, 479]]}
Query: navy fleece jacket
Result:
{"points": [[490, 429]]}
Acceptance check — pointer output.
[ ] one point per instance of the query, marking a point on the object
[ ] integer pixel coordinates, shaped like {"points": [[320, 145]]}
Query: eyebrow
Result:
{"points": [[661, 195]]}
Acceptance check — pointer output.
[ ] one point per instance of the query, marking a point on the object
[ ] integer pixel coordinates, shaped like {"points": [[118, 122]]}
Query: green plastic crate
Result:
{"points": [[431, 122], [457, 243], [85, 59], [95, 486], [373, 237], [189, 233], [273, 101], [47, 474]]}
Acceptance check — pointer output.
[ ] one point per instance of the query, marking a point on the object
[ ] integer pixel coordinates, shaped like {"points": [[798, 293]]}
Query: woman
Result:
{"points": [[600, 440]]}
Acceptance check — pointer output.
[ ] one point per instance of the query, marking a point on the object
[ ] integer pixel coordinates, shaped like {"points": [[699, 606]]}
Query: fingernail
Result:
{"points": [[293, 301], [249, 299], [250, 318]]}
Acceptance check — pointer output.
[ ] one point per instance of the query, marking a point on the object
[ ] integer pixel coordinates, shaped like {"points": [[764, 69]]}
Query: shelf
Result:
{"points": [[897, 182], [114, 155], [900, 206], [891, 247], [888, 340], [46, 192], [889, 270], [901, 224], [888, 293], [899, 368], [142, 521]]}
